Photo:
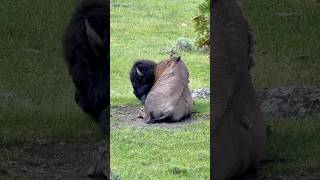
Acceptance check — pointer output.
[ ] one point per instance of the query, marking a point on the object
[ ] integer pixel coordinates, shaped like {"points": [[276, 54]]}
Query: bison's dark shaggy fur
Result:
{"points": [[85, 52], [142, 78]]}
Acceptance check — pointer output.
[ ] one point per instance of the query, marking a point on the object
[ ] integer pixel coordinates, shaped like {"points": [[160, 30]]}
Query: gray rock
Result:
{"points": [[290, 101], [200, 93], [284, 101], [6, 94]]}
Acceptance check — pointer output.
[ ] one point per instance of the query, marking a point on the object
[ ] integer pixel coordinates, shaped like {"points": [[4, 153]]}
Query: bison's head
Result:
{"points": [[142, 78], [85, 53]]}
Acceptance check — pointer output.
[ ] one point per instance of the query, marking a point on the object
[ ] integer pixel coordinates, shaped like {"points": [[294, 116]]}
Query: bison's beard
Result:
{"points": [[143, 98]]}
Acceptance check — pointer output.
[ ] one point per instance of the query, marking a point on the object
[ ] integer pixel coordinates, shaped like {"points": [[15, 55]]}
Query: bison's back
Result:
{"points": [[170, 95]]}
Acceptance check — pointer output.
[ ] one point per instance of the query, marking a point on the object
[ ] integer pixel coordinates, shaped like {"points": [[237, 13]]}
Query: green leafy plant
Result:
{"points": [[202, 24]]}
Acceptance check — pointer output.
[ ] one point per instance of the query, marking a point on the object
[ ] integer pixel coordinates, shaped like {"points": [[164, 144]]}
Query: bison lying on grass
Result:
{"points": [[239, 131], [163, 88], [85, 53]]}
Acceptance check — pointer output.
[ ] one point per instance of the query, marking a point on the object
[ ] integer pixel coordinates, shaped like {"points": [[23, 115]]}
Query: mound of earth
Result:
{"points": [[290, 101], [50, 160]]}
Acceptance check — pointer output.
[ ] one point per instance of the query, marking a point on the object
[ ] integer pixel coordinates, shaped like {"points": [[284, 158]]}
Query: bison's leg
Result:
{"points": [[150, 119], [100, 169]]}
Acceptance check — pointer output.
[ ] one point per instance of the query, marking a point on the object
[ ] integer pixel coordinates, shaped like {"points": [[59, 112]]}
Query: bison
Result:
{"points": [[85, 52], [169, 97], [84, 48], [239, 130]]}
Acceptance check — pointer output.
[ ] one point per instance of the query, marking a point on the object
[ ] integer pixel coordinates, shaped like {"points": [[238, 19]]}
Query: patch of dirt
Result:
{"points": [[128, 115], [50, 160]]}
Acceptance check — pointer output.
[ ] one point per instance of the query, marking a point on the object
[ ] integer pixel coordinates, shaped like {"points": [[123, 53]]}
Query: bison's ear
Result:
{"points": [[93, 38], [139, 72], [178, 58]]}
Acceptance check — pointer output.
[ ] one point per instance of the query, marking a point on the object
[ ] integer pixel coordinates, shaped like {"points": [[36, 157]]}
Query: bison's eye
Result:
{"points": [[140, 80]]}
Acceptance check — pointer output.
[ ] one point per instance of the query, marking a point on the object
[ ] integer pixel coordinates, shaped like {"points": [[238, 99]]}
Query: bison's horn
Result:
{"points": [[93, 38], [139, 72]]}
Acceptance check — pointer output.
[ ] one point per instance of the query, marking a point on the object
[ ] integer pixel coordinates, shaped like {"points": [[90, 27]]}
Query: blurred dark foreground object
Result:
{"points": [[85, 52], [239, 130]]}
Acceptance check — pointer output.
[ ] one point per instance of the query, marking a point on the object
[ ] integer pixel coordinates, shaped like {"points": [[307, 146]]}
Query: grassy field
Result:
{"points": [[287, 49], [36, 93], [143, 30], [288, 52]]}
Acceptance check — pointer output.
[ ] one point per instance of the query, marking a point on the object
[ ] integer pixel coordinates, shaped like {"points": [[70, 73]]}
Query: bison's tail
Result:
{"points": [[151, 119]]}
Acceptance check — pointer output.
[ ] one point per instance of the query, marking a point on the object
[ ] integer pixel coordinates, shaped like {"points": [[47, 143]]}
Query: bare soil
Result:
{"points": [[49, 160], [128, 115]]}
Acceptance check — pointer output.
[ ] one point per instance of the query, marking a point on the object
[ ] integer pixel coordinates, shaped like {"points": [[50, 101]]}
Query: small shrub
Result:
{"points": [[202, 24], [184, 44]]}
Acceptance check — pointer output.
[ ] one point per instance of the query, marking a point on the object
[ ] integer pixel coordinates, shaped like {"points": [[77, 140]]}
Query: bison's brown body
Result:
{"points": [[239, 137], [170, 97]]}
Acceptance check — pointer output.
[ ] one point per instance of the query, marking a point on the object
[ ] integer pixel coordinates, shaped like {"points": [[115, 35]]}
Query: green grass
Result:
{"points": [[293, 148], [155, 153], [287, 49], [141, 30], [36, 100], [288, 52], [36, 93]]}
